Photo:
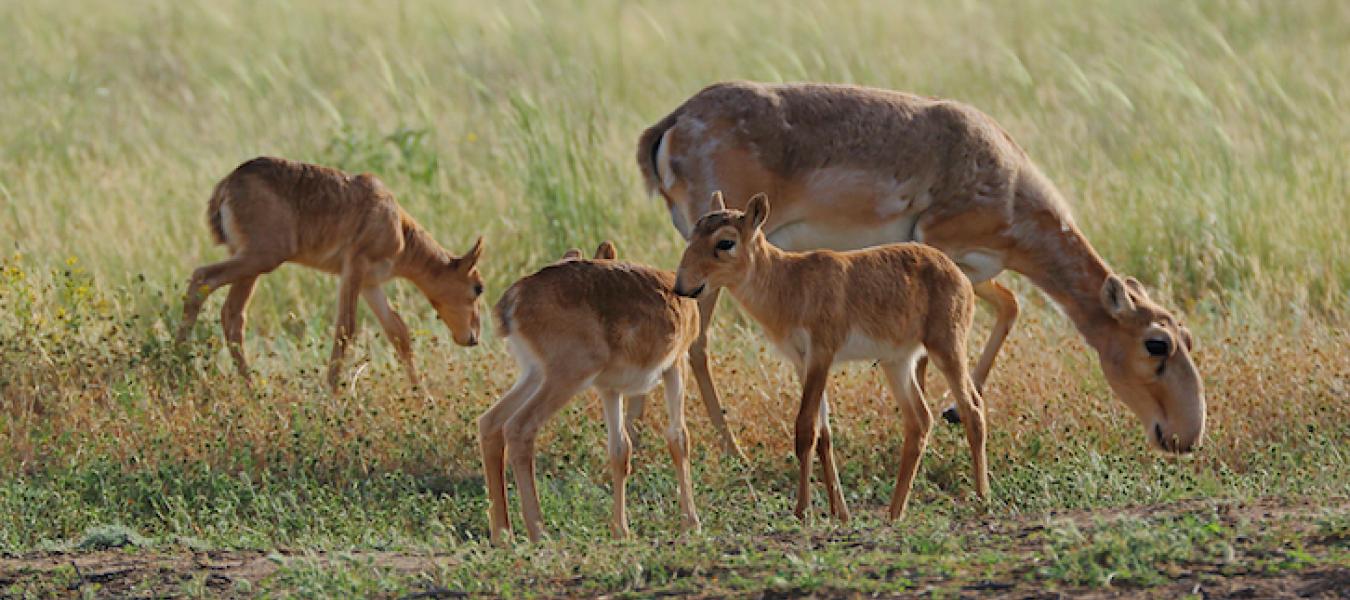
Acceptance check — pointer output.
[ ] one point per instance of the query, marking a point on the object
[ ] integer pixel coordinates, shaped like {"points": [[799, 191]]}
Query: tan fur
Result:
{"points": [[887, 304], [614, 326], [270, 211], [851, 167]]}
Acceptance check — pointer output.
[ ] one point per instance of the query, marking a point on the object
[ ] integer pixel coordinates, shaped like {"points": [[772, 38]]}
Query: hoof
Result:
{"points": [[951, 415]]}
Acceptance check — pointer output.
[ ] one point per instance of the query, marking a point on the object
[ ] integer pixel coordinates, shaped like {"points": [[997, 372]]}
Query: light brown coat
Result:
{"points": [[851, 167], [271, 211], [889, 304], [575, 324]]}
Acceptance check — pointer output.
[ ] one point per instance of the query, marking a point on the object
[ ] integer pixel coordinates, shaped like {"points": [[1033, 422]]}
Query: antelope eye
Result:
{"points": [[725, 245], [478, 289], [1157, 348]]}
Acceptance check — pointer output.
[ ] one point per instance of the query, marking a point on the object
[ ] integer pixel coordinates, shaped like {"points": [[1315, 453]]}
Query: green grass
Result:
{"points": [[1202, 147]]}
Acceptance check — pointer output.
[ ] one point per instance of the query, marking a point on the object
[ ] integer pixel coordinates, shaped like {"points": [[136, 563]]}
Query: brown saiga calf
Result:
{"points": [[614, 326], [270, 211], [888, 304]]}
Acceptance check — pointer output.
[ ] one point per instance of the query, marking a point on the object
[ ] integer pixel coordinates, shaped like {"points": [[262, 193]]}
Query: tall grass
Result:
{"points": [[1202, 147]]}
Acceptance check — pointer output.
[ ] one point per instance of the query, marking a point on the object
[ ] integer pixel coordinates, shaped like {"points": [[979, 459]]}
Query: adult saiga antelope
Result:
{"points": [[270, 211], [577, 323], [888, 304], [850, 167]]}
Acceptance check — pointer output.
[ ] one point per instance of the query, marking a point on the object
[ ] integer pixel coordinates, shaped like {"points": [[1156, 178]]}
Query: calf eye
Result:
{"points": [[1157, 348], [478, 289], [725, 245]]}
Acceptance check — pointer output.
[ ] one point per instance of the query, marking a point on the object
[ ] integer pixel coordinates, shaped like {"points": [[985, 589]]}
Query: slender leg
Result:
{"points": [[232, 321], [677, 440], [813, 387], [825, 451], [345, 330], [492, 444], [620, 455], [632, 415], [394, 328], [918, 421], [522, 429], [698, 360], [1005, 314], [210, 278], [968, 402]]}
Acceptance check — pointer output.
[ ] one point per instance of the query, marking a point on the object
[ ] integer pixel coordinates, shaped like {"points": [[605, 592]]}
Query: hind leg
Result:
{"points": [[1006, 309], [212, 277], [492, 445], [232, 320], [951, 362], [521, 430]]}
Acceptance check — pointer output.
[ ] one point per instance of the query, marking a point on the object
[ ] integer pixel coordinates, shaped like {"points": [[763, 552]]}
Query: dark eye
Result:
{"points": [[725, 245], [477, 289], [1157, 348]]}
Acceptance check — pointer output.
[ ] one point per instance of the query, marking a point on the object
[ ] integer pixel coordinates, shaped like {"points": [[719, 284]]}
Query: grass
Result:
{"points": [[1194, 153]]}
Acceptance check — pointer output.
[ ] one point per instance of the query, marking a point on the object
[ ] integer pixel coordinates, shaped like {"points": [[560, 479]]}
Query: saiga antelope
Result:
{"points": [[888, 304], [601, 323], [270, 211], [851, 167]]}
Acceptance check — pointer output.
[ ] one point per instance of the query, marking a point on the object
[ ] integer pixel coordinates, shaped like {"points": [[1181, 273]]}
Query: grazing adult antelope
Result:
{"points": [[270, 211], [602, 323], [851, 167], [888, 304]]}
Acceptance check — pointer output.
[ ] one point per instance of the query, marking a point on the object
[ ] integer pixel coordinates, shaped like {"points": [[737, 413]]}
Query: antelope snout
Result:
{"points": [[1175, 442], [682, 290]]}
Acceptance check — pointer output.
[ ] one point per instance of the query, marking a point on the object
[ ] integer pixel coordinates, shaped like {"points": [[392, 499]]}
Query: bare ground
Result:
{"points": [[172, 573]]}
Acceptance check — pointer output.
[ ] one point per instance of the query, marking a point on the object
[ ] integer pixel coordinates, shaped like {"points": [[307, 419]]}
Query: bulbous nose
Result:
{"points": [[1174, 442]]}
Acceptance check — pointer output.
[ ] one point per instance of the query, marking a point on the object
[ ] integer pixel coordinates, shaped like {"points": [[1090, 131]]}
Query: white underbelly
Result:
{"points": [[629, 381], [802, 236], [860, 346]]}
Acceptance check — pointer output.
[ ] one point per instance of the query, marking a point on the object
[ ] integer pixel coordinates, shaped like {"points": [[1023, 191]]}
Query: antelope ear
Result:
{"points": [[718, 203], [1116, 298], [1136, 287], [606, 251], [757, 211], [571, 254], [467, 262]]}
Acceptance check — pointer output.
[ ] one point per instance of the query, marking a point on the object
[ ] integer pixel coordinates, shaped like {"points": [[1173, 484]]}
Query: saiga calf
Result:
{"points": [[889, 304], [270, 211], [575, 324]]}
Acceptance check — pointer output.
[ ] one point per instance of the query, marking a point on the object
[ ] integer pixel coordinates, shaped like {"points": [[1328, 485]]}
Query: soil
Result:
{"points": [[164, 573]]}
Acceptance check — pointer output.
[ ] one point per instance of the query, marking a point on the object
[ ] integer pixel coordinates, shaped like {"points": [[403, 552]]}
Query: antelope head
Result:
{"points": [[1146, 357], [720, 244], [456, 294]]}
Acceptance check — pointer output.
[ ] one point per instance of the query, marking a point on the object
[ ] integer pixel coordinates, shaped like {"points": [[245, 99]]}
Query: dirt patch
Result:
{"points": [[169, 574], [1258, 565]]}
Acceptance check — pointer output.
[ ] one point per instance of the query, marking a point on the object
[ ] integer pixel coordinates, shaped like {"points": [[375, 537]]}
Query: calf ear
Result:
{"points": [[1187, 339], [718, 203], [467, 262], [757, 211], [1116, 298], [571, 254], [606, 251]]}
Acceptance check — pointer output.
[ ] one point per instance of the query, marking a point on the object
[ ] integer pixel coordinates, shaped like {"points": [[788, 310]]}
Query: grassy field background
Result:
{"points": [[1202, 146]]}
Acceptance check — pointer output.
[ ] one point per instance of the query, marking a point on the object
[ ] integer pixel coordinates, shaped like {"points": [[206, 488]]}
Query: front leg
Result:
{"points": [[698, 361], [348, 290], [395, 329], [813, 388]]}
